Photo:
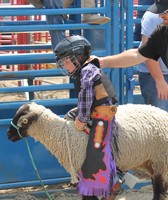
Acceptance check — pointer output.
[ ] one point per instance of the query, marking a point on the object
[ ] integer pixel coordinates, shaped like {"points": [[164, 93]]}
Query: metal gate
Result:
{"points": [[16, 169]]}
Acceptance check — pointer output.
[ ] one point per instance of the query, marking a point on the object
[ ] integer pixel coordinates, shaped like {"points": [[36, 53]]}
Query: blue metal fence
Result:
{"points": [[16, 169], [15, 166]]}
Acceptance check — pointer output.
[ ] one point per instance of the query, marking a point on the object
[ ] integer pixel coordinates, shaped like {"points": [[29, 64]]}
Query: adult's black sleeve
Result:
{"points": [[151, 49]]}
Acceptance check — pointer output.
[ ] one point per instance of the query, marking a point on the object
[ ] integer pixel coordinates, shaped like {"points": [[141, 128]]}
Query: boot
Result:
{"points": [[114, 192], [36, 3], [89, 18], [93, 18], [67, 3], [89, 198]]}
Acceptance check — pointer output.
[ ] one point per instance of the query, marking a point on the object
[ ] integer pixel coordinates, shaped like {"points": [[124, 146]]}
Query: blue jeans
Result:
{"points": [[56, 35], [149, 91], [137, 31]]}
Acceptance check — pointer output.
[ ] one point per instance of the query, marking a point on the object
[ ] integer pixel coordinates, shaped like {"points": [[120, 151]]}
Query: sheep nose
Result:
{"points": [[12, 135]]}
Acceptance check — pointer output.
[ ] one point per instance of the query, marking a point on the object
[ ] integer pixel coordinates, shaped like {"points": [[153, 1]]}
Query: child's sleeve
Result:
{"points": [[89, 75]]}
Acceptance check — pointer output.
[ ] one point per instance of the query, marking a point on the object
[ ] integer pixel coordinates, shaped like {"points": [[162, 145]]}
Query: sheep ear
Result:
{"points": [[26, 120], [24, 108]]}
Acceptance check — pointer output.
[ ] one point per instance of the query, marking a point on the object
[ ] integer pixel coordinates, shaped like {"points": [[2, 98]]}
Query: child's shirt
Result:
{"points": [[88, 75]]}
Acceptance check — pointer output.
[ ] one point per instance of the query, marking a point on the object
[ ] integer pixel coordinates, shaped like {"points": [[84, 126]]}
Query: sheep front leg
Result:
{"points": [[160, 188]]}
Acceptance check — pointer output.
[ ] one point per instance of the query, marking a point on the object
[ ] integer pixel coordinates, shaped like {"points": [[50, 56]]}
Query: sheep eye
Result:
{"points": [[25, 121]]}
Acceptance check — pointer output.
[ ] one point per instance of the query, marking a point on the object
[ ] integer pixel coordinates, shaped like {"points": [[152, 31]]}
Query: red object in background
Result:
{"points": [[22, 38], [135, 3]]}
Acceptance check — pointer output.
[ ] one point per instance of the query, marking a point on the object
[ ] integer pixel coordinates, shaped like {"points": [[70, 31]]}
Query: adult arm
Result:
{"points": [[131, 57], [155, 70], [125, 59], [161, 84]]}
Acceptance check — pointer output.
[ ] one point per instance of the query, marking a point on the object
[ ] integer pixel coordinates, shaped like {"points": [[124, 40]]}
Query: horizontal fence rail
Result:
{"points": [[111, 36], [14, 174]]}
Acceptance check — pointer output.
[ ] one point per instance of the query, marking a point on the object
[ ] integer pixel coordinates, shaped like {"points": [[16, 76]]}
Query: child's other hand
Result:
{"points": [[80, 126]]}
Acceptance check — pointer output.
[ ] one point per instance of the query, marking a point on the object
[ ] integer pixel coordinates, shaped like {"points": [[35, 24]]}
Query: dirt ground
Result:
{"points": [[68, 193], [7, 97], [36, 193]]}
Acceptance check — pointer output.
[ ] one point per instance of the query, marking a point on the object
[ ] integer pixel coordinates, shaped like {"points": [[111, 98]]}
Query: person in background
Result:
{"points": [[89, 18], [149, 23], [56, 35], [140, 13], [154, 48], [95, 102]]}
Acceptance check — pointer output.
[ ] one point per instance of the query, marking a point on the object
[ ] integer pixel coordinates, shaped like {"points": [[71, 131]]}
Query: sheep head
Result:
{"points": [[21, 122]]}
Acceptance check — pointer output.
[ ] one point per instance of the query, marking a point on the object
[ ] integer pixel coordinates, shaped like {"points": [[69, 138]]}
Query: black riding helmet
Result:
{"points": [[75, 46]]}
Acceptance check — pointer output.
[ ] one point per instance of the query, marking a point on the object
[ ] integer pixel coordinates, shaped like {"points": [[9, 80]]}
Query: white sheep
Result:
{"points": [[142, 140]]}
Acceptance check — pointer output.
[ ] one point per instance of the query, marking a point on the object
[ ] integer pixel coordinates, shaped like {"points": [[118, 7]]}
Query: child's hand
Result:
{"points": [[80, 126]]}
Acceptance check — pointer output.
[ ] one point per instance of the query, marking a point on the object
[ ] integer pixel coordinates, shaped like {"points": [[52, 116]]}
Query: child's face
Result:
{"points": [[68, 65]]}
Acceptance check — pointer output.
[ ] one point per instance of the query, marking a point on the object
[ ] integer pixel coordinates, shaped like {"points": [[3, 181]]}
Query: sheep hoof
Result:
{"points": [[89, 198]]}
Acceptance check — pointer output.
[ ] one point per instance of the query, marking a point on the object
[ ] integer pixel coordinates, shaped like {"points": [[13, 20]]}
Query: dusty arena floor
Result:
{"points": [[69, 194], [6, 97], [63, 191]]}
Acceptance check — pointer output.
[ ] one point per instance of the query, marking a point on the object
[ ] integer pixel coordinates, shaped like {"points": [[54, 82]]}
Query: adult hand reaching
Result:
{"points": [[162, 88]]}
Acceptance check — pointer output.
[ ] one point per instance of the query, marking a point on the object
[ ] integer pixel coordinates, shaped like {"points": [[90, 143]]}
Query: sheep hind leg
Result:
{"points": [[160, 188]]}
